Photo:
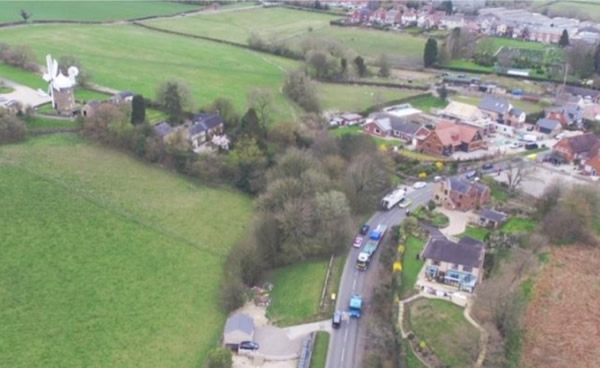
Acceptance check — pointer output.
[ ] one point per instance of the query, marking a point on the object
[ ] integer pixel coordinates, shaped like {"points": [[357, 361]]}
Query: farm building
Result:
{"points": [[238, 328]]}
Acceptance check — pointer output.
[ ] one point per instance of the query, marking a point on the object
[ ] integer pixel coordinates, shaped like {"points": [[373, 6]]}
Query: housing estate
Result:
{"points": [[501, 111], [449, 137], [455, 263], [457, 193], [583, 150]]}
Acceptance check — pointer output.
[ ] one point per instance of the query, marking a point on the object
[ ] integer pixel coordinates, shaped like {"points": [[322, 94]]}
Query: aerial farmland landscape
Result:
{"points": [[299, 184]]}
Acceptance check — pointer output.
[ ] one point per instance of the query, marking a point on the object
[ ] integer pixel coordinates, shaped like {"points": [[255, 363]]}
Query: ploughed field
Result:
{"points": [[106, 261]]}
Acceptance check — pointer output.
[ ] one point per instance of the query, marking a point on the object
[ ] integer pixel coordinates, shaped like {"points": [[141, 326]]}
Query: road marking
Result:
{"points": [[345, 336], [343, 354], [354, 285]]}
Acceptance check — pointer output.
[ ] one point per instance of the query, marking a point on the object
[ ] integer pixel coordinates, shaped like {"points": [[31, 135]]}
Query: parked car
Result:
{"points": [[248, 345], [531, 146], [419, 185], [516, 145], [437, 179], [488, 166], [405, 202], [336, 321], [364, 229], [471, 174], [357, 242]]}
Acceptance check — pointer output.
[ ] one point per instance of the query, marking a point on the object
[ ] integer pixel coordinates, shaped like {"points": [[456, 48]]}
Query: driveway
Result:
{"points": [[458, 221], [24, 95]]}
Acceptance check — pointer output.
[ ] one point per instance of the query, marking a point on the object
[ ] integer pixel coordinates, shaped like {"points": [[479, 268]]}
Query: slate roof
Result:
{"points": [[580, 91], [493, 215], [515, 112], [583, 143], [548, 124], [493, 104], [125, 94], [461, 185], [239, 322], [203, 122], [163, 129], [93, 103], [404, 126], [467, 252]]}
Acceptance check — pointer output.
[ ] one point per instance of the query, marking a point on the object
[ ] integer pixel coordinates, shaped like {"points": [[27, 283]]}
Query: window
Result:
{"points": [[460, 196], [455, 266], [467, 269], [377, 131], [446, 192], [436, 263]]}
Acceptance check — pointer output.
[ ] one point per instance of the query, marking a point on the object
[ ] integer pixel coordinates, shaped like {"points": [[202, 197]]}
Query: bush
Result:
{"points": [[12, 129], [219, 358], [232, 292]]}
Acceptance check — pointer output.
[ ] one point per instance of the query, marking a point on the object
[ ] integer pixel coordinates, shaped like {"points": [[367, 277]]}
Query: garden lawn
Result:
{"points": [[106, 261], [519, 225], [427, 103], [127, 57], [493, 44], [268, 23], [411, 359], [40, 122], [443, 327], [412, 266], [468, 65], [155, 116], [475, 232], [89, 10], [319, 355], [297, 292], [346, 97]]}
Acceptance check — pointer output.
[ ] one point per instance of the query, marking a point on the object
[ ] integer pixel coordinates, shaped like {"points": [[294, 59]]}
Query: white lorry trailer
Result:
{"points": [[392, 199]]}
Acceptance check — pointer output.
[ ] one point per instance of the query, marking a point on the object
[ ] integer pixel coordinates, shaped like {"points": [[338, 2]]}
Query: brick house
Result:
{"points": [[461, 194], [496, 108], [455, 263], [580, 147], [203, 127], [449, 137], [548, 126], [516, 118], [566, 115], [360, 16]]}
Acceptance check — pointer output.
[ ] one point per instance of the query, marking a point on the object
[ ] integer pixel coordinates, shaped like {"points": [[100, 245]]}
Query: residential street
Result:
{"points": [[346, 342]]}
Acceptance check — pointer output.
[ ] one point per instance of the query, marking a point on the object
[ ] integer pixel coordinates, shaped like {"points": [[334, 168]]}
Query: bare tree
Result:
{"points": [[515, 175], [261, 100]]}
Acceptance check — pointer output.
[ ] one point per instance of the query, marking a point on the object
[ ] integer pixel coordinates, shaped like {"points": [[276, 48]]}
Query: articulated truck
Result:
{"points": [[370, 247]]}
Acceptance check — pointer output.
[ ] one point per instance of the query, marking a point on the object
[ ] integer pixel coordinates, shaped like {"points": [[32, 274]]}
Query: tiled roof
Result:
{"points": [[467, 252], [493, 104]]}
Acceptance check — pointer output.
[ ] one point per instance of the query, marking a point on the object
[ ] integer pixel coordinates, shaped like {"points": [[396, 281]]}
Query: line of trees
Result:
{"points": [[18, 56]]}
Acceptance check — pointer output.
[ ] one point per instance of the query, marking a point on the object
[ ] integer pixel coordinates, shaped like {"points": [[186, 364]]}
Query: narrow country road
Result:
{"points": [[345, 345]]}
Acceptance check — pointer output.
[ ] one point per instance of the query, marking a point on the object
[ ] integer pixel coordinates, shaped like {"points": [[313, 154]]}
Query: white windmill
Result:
{"points": [[61, 87]]}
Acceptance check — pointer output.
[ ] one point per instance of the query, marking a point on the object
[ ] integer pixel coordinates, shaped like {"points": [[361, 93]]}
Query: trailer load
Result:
{"points": [[370, 247]]}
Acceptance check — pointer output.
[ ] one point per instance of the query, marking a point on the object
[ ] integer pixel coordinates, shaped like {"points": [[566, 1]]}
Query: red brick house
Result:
{"points": [[580, 147], [460, 194], [449, 137]]}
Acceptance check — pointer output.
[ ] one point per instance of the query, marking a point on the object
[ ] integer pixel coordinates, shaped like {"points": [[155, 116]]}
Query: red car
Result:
{"points": [[357, 242]]}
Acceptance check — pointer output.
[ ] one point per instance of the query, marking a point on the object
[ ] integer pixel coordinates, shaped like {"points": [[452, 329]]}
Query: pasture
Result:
{"points": [[403, 49], [356, 98], [270, 24], [89, 10], [108, 262], [132, 58], [584, 10]]}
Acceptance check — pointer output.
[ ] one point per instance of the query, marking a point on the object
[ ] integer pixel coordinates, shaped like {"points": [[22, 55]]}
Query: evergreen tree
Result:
{"points": [[564, 39], [360, 66], [430, 54], [138, 110]]}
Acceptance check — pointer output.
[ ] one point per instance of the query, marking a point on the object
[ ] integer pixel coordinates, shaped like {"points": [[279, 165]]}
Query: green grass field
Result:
{"points": [[131, 58], [89, 10], [493, 44], [295, 298], [585, 10], [402, 48], [427, 103], [443, 327], [270, 24], [319, 356], [107, 261], [412, 265], [344, 97], [38, 122]]}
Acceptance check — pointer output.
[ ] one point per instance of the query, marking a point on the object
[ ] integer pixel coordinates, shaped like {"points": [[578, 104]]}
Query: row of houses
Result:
{"points": [[499, 21]]}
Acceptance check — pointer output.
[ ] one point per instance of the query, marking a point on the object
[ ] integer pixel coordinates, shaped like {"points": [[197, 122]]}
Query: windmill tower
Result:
{"points": [[60, 87]]}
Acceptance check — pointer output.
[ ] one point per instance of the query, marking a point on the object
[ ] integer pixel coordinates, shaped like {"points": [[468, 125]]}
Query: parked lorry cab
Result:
{"points": [[370, 247], [392, 199], [355, 305]]}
